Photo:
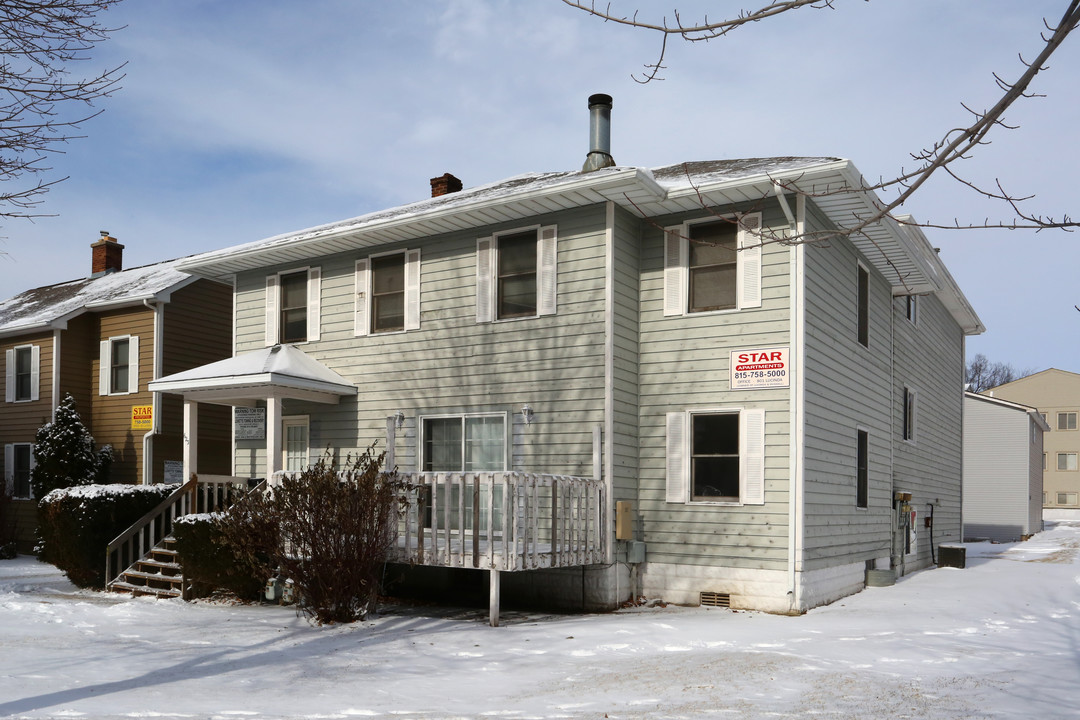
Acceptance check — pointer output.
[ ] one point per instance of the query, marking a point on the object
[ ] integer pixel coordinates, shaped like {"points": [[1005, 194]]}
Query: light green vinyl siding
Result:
{"points": [[684, 364], [627, 243], [453, 364]]}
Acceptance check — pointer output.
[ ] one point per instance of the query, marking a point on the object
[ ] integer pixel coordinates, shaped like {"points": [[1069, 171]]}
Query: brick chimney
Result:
{"points": [[444, 185], [108, 255]]}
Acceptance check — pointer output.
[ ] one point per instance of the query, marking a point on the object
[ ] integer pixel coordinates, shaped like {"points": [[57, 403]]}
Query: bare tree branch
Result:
{"points": [[955, 145]]}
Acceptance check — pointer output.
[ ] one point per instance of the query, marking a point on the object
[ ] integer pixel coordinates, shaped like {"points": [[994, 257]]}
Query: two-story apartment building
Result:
{"points": [[102, 339], [1056, 394], [769, 420]]}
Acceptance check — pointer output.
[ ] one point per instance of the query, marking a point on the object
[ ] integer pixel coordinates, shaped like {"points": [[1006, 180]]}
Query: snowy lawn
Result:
{"points": [[999, 639]]}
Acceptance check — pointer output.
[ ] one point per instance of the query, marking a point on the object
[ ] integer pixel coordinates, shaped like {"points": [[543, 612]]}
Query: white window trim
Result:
{"points": [[273, 304], [362, 278], [295, 421], [1066, 454], [421, 440], [105, 365], [9, 469], [1067, 413], [547, 266], [35, 373], [679, 440], [747, 270]]}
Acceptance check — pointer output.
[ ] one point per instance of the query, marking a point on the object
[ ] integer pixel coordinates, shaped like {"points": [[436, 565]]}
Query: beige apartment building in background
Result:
{"points": [[1056, 393]]}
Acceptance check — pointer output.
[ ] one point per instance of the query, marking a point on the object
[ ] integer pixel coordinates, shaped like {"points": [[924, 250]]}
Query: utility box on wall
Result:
{"points": [[624, 520]]}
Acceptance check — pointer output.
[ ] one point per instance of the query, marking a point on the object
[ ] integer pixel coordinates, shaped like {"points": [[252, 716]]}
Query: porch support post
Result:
{"points": [[191, 438], [493, 600], [274, 460]]}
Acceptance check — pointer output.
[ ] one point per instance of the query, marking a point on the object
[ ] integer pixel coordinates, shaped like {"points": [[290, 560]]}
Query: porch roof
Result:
{"points": [[281, 371]]}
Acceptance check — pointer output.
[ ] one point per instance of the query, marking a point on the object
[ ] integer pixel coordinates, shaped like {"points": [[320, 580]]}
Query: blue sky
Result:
{"points": [[244, 119]]}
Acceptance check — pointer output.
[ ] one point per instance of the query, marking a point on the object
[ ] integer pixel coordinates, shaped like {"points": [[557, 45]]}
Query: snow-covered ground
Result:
{"points": [[999, 639]]}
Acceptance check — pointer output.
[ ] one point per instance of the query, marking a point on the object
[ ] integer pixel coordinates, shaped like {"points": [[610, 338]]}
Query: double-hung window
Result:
{"points": [[293, 300], [464, 444], [387, 293], [119, 365], [21, 370], [1066, 421], [18, 463], [712, 265], [516, 274], [716, 456], [911, 308]]}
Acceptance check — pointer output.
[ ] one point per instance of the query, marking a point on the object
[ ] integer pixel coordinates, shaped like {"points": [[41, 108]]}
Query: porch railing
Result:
{"points": [[200, 494], [501, 521]]}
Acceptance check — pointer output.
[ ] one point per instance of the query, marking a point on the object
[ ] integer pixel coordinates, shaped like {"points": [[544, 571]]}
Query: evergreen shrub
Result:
{"points": [[76, 524]]}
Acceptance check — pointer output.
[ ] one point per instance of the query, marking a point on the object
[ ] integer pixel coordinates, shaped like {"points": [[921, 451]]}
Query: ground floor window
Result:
{"points": [[18, 462], [1066, 498], [716, 456], [295, 436]]}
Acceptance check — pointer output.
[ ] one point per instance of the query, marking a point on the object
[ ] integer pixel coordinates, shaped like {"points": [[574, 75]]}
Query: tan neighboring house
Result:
{"points": [[1056, 394], [103, 339]]}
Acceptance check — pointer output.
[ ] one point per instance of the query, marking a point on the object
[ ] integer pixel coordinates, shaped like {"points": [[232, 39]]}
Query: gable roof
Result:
{"points": [[51, 306], [899, 252], [1036, 416]]}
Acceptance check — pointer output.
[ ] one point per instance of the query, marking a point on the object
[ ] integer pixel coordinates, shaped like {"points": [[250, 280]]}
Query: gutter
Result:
{"points": [[148, 445]]}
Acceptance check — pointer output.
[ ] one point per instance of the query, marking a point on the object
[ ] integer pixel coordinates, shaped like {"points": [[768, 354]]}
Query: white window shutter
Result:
{"points": [[9, 468], [547, 271], [677, 480], [104, 367], [749, 264], [9, 376], [314, 303], [133, 363], [362, 308], [675, 252], [485, 286], [752, 456], [33, 464], [35, 372], [412, 289], [271, 309]]}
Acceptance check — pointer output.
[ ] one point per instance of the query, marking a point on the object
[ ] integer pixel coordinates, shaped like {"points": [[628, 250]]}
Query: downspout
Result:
{"points": [[796, 494], [155, 423], [609, 382], [55, 373]]}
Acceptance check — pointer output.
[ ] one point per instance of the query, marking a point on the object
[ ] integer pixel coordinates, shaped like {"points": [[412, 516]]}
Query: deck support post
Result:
{"points": [[493, 600]]}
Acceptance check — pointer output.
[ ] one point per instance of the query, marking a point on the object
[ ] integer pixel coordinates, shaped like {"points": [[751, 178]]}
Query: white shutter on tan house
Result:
{"points": [[547, 271], [104, 368], [485, 285], [35, 372], [412, 289], [362, 308], [9, 376], [677, 481], [271, 310], [675, 261], [133, 363], [752, 456], [749, 266]]}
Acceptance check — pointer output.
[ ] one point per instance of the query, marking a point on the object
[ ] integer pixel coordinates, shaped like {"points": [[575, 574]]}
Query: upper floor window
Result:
{"points": [[1066, 461], [293, 306], [21, 365], [712, 265], [716, 456], [911, 308], [1066, 421], [388, 293], [516, 274], [863, 303], [119, 365], [18, 463]]}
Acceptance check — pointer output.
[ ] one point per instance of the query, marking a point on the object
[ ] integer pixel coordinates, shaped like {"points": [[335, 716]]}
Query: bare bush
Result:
{"points": [[327, 530]]}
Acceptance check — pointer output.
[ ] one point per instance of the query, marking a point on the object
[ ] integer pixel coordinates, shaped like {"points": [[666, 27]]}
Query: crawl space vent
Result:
{"points": [[715, 599]]}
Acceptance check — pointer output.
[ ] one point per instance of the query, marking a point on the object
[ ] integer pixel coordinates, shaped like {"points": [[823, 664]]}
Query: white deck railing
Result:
{"points": [[501, 521]]}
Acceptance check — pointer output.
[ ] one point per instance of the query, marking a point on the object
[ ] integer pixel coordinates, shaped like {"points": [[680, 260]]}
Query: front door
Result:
{"points": [[294, 430]]}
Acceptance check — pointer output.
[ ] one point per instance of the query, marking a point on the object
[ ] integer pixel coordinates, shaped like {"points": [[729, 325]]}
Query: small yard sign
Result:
{"points": [[759, 368], [250, 423], [142, 417]]}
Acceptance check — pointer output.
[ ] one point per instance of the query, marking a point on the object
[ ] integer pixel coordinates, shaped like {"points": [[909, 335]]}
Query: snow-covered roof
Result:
{"points": [[906, 260], [279, 371], [53, 305]]}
